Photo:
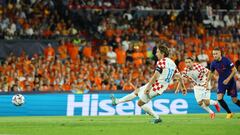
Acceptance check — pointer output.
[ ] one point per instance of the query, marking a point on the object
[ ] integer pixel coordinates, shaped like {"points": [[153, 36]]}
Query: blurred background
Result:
{"points": [[100, 46]]}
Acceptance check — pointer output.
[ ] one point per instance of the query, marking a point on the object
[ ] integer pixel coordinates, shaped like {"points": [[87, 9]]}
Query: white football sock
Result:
{"points": [[206, 108], [126, 98], [150, 111], [213, 102]]}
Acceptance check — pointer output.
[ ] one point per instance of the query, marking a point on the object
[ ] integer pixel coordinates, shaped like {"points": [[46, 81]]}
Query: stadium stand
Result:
{"points": [[87, 30]]}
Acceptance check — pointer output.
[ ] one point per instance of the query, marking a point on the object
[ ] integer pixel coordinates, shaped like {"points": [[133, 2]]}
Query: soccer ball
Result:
{"points": [[18, 100]]}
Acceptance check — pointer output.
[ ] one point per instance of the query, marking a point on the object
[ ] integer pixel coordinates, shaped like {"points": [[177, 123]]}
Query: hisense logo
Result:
{"points": [[91, 105]]}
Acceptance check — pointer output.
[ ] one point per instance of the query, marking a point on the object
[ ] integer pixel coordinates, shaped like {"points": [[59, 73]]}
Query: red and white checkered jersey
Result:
{"points": [[198, 74], [168, 68]]}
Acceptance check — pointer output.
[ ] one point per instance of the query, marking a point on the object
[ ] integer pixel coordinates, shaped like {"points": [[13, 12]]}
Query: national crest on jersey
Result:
{"points": [[198, 74], [168, 69]]}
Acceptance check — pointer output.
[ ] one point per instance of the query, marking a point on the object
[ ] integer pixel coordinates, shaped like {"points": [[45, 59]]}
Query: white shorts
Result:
{"points": [[201, 93], [146, 98]]}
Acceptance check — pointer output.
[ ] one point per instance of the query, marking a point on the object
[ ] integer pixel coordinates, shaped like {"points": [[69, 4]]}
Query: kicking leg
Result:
{"points": [[126, 98]]}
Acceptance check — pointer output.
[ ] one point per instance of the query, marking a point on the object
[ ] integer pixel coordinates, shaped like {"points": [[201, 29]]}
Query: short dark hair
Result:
{"points": [[163, 49], [217, 49]]}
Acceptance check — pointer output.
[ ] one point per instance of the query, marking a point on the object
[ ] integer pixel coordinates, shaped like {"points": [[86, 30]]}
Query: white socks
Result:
{"points": [[149, 110], [213, 102], [126, 98], [206, 108]]}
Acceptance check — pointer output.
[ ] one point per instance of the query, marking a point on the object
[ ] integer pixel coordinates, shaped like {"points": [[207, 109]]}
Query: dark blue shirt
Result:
{"points": [[223, 67]]}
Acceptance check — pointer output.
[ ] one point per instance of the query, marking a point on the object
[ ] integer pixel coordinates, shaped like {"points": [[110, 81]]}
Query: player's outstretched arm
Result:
{"points": [[209, 78], [208, 82], [177, 77], [177, 88], [234, 71], [184, 90], [180, 84]]}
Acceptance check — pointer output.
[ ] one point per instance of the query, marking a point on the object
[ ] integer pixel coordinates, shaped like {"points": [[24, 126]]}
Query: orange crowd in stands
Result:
{"points": [[67, 68]]}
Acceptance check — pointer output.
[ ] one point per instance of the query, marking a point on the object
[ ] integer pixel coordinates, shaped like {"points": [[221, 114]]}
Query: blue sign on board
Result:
{"points": [[99, 105]]}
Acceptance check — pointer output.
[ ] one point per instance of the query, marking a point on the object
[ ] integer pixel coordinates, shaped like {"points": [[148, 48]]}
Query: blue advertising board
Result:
{"points": [[100, 105]]}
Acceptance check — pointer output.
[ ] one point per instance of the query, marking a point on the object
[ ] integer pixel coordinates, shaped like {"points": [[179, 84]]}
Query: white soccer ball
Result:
{"points": [[18, 100]]}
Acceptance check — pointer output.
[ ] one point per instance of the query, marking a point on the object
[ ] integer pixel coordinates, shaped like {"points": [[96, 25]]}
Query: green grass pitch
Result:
{"points": [[190, 124]]}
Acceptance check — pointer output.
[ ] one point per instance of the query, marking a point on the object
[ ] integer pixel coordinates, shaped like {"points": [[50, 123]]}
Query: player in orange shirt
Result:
{"points": [[121, 55], [62, 50], [87, 50], [73, 52], [49, 52], [137, 57]]}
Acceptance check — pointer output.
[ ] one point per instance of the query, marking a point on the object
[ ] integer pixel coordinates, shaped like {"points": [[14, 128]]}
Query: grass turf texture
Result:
{"points": [[190, 124]]}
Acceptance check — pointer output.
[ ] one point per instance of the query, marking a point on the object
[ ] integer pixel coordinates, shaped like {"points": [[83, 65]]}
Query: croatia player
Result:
{"points": [[226, 81], [198, 74], [158, 83]]}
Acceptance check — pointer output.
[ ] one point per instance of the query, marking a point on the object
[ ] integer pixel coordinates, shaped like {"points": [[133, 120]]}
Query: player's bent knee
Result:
{"points": [[219, 97], [140, 103], [200, 103], [234, 99], [207, 102], [136, 92]]}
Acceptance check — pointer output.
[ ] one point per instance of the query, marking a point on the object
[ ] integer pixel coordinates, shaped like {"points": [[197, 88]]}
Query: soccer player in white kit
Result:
{"points": [[198, 74], [164, 72]]}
